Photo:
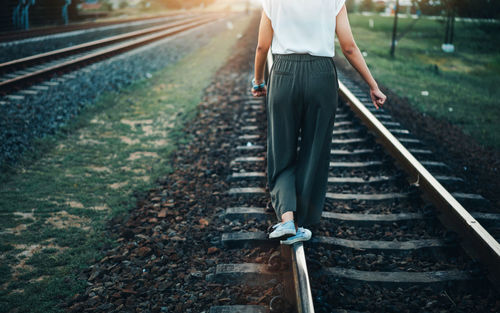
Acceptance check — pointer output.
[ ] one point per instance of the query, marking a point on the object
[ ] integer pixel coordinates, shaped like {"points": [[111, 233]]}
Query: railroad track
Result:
{"points": [[381, 237], [50, 30], [19, 73]]}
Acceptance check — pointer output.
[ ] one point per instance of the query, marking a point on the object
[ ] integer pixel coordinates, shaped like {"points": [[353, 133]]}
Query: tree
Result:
{"points": [[462, 8], [477, 8], [428, 7], [350, 5], [366, 5]]}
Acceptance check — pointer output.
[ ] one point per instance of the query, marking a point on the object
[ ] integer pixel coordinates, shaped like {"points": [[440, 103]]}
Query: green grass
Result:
{"points": [[54, 206], [462, 86]]}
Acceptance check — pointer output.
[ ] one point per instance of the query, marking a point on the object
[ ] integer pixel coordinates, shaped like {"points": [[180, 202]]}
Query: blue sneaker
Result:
{"points": [[303, 234], [283, 229]]}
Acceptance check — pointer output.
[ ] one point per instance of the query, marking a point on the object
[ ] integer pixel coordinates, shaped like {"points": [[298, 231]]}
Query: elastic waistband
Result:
{"points": [[301, 57]]}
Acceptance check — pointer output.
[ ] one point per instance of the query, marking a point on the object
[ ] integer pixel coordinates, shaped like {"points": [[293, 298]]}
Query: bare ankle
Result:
{"points": [[287, 216]]}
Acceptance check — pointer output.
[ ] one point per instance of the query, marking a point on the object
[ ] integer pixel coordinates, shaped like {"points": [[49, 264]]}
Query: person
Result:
{"points": [[302, 96]]}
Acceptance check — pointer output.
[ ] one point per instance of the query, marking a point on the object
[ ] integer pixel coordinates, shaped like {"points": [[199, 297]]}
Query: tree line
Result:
{"points": [[461, 8]]}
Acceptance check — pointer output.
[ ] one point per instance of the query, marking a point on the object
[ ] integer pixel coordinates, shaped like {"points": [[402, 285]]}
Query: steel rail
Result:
{"points": [[476, 241], [303, 295], [105, 52], [42, 57]]}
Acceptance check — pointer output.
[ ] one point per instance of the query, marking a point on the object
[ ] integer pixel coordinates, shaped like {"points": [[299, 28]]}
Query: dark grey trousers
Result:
{"points": [[302, 100]]}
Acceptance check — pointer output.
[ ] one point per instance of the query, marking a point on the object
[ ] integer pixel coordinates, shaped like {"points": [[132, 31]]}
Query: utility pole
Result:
{"points": [[394, 29], [25, 14], [448, 46], [65, 12], [16, 15]]}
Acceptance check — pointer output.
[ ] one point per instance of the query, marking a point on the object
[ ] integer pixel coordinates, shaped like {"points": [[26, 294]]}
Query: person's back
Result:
{"points": [[303, 26]]}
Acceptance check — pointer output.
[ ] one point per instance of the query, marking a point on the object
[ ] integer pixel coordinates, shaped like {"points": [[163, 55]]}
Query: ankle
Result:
{"points": [[287, 216]]}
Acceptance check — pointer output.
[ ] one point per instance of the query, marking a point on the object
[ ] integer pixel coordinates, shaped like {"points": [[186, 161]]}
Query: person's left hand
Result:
{"points": [[261, 92], [378, 97]]}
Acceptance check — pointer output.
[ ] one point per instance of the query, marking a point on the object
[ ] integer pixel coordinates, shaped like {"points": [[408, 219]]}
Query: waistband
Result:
{"points": [[301, 57]]}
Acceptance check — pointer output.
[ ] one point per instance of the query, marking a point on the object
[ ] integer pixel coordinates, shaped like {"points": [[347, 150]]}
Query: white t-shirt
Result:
{"points": [[303, 26]]}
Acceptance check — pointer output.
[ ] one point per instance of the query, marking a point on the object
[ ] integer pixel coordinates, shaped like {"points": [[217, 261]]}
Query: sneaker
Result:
{"points": [[303, 234], [283, 229]]}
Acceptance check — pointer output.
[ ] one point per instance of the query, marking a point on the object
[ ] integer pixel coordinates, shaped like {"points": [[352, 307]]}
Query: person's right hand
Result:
{"points": [[378, 97], [259, 92]]}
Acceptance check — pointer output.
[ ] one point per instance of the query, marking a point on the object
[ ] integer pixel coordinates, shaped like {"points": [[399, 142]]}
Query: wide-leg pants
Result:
{"points": [[302, 100]]}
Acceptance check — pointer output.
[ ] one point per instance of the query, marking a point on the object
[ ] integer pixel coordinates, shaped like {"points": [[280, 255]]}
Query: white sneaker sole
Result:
{"points": [[285, 232], [291, 242], [294, 240]]}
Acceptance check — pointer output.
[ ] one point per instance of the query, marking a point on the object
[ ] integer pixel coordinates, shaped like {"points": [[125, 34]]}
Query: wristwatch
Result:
{"points": [[259, 86]]}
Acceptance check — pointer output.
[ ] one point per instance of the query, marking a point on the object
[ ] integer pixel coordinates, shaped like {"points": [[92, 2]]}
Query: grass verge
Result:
{"points": [[54, 208], [460, 87]]}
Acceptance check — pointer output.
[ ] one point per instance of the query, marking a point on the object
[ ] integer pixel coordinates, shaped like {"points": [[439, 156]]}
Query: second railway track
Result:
{"points": [[19, 73]]}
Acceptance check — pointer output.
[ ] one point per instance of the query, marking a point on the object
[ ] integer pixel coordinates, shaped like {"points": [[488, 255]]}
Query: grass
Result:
{"points": [[462, 86], [54, 207]]}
